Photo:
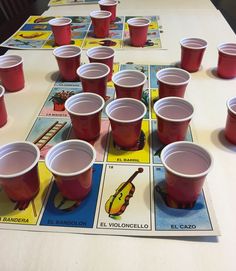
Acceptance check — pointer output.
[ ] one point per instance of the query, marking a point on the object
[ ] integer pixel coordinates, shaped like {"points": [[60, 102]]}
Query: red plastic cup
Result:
{"points": [[103, 55], [11, 72], [19, 170], [85, 112], [68, 60], [192, 50], [173, 117], [227, 60], [138, 29], [71, 164], [172, 82], [126, 116], [230, 127], [3, 111], [109, 5], [101, 22], [129, 84], [61, 28], [187, 165], [93, 77]]}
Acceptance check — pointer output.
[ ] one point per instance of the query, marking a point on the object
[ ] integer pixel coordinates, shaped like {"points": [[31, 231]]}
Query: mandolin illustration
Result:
{"points": [[118, 202]]}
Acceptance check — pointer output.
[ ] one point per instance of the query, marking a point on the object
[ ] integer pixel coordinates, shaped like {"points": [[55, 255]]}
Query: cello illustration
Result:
{"points": [[117, 203]]}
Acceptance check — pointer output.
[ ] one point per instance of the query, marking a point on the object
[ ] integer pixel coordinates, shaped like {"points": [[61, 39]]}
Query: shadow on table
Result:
{"points": [[208, 239], [52, 76], [211, 72], [218, 138]]}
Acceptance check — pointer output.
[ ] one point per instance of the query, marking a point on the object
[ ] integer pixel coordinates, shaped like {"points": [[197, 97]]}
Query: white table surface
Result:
{"points": [[21, 250]]}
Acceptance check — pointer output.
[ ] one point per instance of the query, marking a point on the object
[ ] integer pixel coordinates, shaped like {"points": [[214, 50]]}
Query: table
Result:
{"points": [[23, 250]]}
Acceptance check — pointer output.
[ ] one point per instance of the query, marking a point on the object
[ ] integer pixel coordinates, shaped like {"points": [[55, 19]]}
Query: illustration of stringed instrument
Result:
{"points": [[118, 202]]}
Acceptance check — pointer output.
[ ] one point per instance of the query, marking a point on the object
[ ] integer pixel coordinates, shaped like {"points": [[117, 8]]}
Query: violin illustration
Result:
{"points": [[118, 202]]}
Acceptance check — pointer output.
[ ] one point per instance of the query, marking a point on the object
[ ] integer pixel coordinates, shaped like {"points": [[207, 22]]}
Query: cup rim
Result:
{"points": [[182, 71], [18, 58], [52, 21], [229, 106], [194, 39], [129, 71], [22, 172], [67, 142], [2, 91], [189, 144], [100, 47], [108, 2], [104, 14], [123, 100], [178, 99], [219, 47], [85, 94], [65, 47], [146, 21], [93, 64]]}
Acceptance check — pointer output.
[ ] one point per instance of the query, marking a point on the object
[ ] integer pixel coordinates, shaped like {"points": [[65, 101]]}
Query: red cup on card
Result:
{"points": [[101, 23], [187, 165], [103, 55], [61, 28], [192, 50], [129, 84], [71, 163], [109, 5], [19, 170], [93, 77], [68, 60], [172, 82], [138, 29], [3, 111], [85, 111], [226, 67], [173, 117], [125, 115], [230, 127], [11, 72]]}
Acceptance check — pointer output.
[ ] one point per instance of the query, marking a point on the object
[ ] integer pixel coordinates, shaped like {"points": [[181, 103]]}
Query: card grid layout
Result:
{"points": [[36, 33], [139, 208]]}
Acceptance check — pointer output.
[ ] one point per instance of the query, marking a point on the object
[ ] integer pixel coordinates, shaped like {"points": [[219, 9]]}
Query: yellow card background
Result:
{"points": [[31, 214]]}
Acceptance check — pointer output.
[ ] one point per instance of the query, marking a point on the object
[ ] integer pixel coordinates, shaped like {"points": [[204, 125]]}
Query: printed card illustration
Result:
{"points": [[60, 211], [175, 218], [93, 42], [55, 103], [125, 200], [46, 132], [26, 213]]}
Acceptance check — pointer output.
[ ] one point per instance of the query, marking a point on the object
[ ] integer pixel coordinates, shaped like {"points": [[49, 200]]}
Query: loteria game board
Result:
{"points": [[36, 33], [145, 212], [70, 2]]}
